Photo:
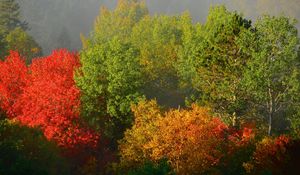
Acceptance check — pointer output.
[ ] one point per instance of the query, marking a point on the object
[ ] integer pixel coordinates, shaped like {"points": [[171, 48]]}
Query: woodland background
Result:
{"points": [[140, 92]]}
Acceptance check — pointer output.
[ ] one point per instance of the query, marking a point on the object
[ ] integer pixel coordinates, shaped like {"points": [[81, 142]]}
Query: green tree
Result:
{"points": [[211, 61], [272, 74], [158, 38], [147, 46], [26, 151], [119, 22], [10, 17], [20, 41], [110, 77], [110, 80], [13, 34]]}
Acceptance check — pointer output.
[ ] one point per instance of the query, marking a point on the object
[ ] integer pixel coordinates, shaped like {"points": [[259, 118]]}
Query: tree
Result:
{"points": [[109, 87], [19, 40], [273, 156], [150, 45], [13, 78], [131, 147], [191, 140], [44, 95], [211, 61], [25, 150], [118, 23], [2, 44], [13, 34], [10, 17], [188, 139], [272, 74], [158, 38]]}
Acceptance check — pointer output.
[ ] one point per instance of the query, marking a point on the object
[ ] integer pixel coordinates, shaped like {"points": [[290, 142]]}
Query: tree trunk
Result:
{"points": [[270, 123], [271, 111]]}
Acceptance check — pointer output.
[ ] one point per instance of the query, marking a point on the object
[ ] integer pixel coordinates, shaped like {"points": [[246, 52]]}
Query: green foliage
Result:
{"points": [[9, 20], [150, 168], [129, 55], [26, 151], [272, 74], [158, 38], [228, 65], [2, 45], [110, 79], [19, 40], [13, 34], [10, 17], [295, 125], [211, 62], [118, 23]]}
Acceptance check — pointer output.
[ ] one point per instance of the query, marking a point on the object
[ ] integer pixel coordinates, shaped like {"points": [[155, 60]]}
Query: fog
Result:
{"points": [[58, 23]]}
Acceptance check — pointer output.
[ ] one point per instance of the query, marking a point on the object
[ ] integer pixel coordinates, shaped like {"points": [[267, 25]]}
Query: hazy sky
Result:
{"points": [[51, 19]]}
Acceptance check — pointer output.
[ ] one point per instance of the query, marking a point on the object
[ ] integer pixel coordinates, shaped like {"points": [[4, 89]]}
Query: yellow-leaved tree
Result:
{"points": [[190, 139]]}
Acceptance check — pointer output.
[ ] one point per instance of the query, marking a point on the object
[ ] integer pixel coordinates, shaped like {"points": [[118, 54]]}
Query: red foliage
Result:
{"points": [[271, 155], [13, 76], [240, 138], [270, 152], [48, 98]]}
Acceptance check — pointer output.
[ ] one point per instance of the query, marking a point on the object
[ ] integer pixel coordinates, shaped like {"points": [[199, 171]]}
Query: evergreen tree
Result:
{"points": [[10, 17]]}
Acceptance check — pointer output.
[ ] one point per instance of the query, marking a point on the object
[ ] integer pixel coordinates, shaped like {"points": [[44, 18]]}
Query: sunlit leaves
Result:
{"points": [[110, 80], [272, 74], [192, 140], [211, 63], [13, 78], [132, 146], [44, 95]]}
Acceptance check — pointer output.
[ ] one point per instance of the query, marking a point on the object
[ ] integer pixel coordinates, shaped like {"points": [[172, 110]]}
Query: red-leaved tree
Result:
{"points": [[13, 77], [44, 95]]}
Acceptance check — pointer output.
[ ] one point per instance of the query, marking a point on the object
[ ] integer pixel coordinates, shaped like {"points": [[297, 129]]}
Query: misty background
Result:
{"points": [[58, 23]]}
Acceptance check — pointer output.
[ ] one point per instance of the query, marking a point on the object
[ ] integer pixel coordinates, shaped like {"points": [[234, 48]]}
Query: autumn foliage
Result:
{"points": [[13, 78], [219, 86], [192, 140], [270, 156], [44, 95]]}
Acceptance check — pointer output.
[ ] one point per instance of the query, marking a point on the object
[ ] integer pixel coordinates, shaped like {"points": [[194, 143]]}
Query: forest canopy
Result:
{"points": [[152, 94]]}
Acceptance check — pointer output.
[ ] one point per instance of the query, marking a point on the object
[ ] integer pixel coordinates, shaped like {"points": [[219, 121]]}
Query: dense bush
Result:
{"points": [[25, 150]]}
